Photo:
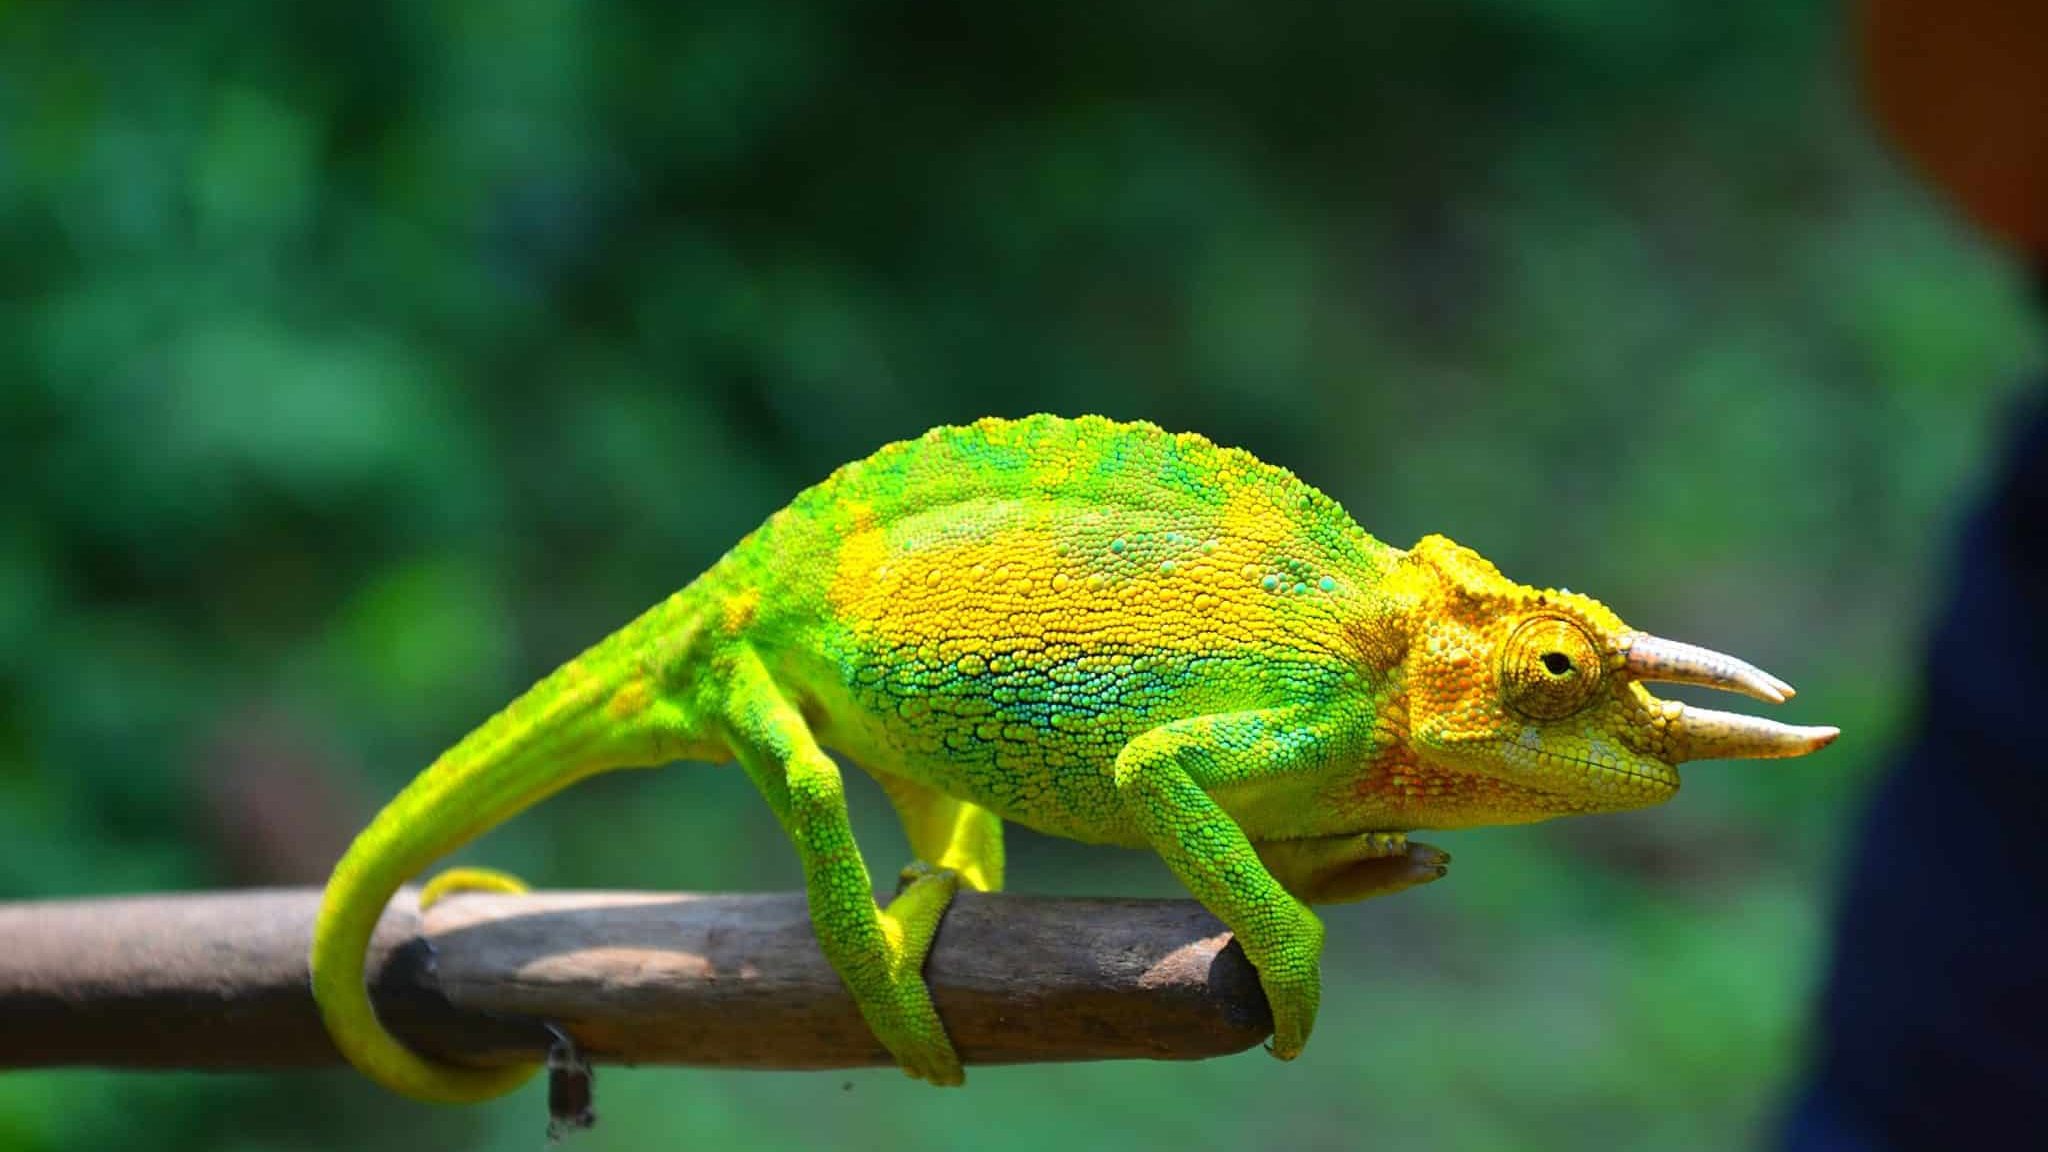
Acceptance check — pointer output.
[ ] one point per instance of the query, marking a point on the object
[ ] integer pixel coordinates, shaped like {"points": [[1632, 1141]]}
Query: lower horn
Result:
{"points": [[1705, 734]]}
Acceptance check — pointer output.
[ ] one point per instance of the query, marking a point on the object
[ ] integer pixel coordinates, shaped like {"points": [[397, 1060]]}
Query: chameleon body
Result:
{"points": [[1104, 631]]}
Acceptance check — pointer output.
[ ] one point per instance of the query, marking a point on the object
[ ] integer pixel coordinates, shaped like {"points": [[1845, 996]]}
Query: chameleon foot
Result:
{"points": [[1344, 869], [1292, 979], [1413, 865], [1385, 843], [901, 1012], [913, 872]]}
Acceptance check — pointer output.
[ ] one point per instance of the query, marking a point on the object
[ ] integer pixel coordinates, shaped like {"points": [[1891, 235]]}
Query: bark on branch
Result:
{"points": [[219, 981]]}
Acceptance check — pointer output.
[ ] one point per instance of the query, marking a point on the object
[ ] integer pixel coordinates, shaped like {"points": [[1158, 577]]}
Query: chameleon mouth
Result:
{"points": [[1666, 780], [1611, 772], [1707, 734]]}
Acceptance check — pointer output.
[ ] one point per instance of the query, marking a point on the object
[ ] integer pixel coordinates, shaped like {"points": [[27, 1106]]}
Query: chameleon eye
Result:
{"points": [[1549, 668]]}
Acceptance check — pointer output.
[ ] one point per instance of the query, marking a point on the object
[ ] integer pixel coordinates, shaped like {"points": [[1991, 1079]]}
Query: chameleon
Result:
{"points": [[1104, 631]]}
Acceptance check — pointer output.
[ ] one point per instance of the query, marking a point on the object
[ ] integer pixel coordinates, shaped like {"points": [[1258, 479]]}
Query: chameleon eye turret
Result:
{"points": [[1550, 668]]}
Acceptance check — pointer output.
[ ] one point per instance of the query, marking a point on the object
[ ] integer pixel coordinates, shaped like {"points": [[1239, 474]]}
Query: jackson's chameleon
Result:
{"points": [[1103, 631]]}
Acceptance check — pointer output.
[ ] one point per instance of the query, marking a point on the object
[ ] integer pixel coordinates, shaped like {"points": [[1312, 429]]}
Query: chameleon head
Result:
{"points": [[1542, 691]]}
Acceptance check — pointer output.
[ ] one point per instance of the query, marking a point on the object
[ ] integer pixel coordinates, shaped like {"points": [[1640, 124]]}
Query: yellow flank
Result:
{"points": [[1031, 583], [1109, 632]]}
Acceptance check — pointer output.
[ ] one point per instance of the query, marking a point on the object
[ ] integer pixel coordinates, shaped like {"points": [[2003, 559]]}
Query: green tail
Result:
{"points": [[598, 712]]}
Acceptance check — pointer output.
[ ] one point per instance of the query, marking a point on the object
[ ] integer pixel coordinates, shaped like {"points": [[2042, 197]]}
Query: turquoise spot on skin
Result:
{"points": [[1117, 545], [1300, 588], [1270, 583], [1166, 566], [1327, 584]]}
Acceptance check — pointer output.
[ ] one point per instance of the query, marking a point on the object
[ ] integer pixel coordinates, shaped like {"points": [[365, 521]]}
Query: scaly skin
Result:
{"points": [[1103, 631]]}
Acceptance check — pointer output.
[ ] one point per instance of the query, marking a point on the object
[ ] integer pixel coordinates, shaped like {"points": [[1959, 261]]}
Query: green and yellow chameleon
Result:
{"points": [[1104, 631]]}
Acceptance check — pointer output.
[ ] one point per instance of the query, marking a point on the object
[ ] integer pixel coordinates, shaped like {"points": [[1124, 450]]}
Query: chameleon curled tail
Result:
{"points": [[567, 727]]}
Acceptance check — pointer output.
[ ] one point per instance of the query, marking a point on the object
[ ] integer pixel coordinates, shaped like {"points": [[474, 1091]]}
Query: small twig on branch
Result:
{"points": [[219, 981]]}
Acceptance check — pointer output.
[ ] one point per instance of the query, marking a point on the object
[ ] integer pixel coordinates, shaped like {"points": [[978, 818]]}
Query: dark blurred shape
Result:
{"points": [[1934, 1027], [1934, 1031], [271, 800]]}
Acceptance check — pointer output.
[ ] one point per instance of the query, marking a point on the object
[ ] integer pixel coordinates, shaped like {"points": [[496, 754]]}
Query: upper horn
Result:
{"points": [[1654, 658]]}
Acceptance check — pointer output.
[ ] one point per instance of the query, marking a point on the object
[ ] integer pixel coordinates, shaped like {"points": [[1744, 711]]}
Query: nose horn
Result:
{"points": [[1705, 734], [1656, 660]]}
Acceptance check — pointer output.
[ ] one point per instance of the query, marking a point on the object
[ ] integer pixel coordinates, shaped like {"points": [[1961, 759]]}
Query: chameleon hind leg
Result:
{"points": [[1164, 778], [878, 952], [948, 833]]}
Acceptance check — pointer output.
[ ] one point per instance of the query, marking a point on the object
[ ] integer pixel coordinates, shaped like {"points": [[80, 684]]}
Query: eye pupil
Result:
{"points": [[1549, 669]]}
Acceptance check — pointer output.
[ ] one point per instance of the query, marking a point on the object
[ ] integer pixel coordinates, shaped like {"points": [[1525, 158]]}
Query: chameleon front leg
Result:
{"points": [[1345, 869], [879, 953], [1164, 779], [948, 833]]}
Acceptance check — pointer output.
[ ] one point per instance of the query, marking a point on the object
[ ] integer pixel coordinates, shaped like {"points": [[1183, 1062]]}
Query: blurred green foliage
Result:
{"points": [[362, 362]]}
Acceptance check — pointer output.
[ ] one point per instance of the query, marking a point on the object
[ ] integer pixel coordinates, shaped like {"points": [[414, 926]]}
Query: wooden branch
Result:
{"points": [[219, 981]]}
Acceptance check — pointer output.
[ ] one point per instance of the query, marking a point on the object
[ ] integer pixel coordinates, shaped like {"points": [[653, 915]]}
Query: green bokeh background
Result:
{"points": [[360, 363]]}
